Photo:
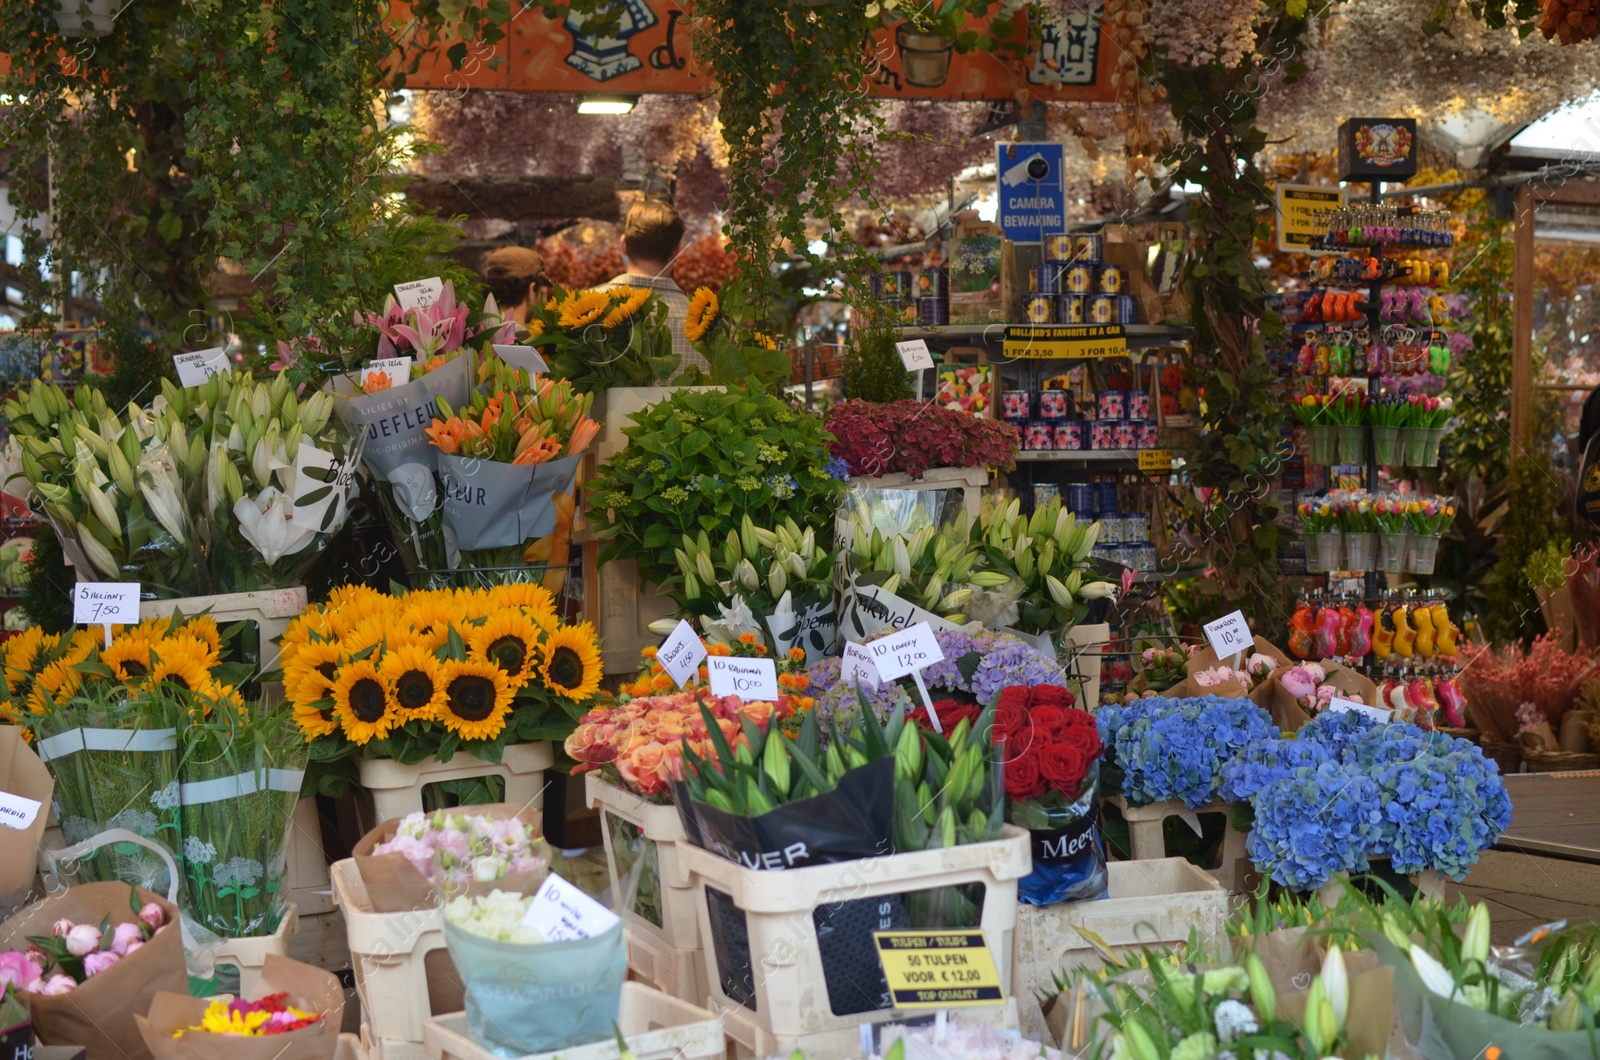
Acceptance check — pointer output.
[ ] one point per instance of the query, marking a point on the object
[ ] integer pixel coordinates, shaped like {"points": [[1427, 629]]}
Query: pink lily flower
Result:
{"points": [[439, 328]]}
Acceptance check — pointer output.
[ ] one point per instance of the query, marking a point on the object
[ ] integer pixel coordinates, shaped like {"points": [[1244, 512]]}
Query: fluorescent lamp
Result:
{"points": [[606, 104]]}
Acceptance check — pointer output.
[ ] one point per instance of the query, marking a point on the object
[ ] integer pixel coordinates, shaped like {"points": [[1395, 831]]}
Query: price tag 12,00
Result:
{"points": [[909, 651], [106, 604]]}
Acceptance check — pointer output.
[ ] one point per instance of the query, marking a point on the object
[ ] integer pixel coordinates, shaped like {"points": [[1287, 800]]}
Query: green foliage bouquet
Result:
{"points": [[702, 461]]}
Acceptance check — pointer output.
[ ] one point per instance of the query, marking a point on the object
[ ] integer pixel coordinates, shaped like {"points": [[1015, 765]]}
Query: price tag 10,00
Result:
{"points": [[106, 604], [1229, 635], [749, 679]]}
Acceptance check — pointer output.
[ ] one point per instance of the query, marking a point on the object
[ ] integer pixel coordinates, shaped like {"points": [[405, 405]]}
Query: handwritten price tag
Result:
{"points": [[106, 604], [418, 294], [906, 652], [398, 369], [527, 358], [561, 912], [858, 665], [16, 811], [195, 368], [1229, 635], [680, 653], [749, 679], [914, 354]]}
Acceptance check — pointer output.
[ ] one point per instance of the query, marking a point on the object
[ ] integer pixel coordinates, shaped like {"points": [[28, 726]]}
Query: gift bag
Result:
{"points": [[27, 787], [395, 885], [309, 989], [99, 1014], [1069, 859]]}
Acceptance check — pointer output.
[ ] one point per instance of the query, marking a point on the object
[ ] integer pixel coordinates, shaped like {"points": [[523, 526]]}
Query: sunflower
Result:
{"points": [[22, 651], [530, 595], [571, 661], [204, 628], [629, 305], [765, 341], [82, 645], [372, 631], [415, 682], [477, 699], [182, 661], [56, 684], [703, 310], [314, 722], [365, 708], [508, 638], [315, 667], [429, 612], [583, 308], [129, 657]]}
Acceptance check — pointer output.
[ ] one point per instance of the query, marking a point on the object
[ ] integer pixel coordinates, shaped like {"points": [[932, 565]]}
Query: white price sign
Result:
{"points": [[106, 604], [195, 368], [1229, 635], [858, 665], [527, 358], [680, 654], [561, 912], [418, 294], [1350, 706], [398, 369], [906, 652], [914, 354], [749, 679], [16, 811]]}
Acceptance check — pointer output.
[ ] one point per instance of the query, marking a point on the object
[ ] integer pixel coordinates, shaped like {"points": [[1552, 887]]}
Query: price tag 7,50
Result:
{"points": [[105, 604], [1229, 635]]}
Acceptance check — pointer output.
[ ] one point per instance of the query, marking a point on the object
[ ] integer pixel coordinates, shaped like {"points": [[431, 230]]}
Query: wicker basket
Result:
{"points": [[1508, 756], [1561, 761]]}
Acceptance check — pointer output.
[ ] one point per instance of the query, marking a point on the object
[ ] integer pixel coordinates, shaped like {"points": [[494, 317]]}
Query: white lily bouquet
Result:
{"points": [[231, 486]]}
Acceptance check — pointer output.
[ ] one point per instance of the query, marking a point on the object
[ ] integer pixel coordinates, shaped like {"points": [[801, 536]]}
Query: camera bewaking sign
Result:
{"points": [[1032, 197]]}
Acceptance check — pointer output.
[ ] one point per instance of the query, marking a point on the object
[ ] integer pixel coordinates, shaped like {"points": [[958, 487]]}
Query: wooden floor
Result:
{"points": [[1555, 814]]}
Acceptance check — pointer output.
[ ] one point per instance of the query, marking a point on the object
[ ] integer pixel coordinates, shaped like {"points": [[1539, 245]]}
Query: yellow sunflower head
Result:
{"points": [[629, 305], [22, 651], [765, 341], [509, 639], [59, 681], [370, 632], [204, 628], [477, 699], [530, 595], [314, 722], [570, 661], [184, 662], [310, 676], [362, 704], [703, 310], [415, 682], [582, 308], [129, 657]]}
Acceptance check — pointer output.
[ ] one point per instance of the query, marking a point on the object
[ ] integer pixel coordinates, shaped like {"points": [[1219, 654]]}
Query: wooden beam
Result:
{"points": [[1522, 321], [517, 198], [1571, 192]]}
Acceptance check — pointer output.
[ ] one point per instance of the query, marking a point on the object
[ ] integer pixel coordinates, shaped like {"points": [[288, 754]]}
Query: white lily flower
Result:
{"points": [[264, 521], [1098, 591], [1434, 975], [1337, 984], [98, 555]]}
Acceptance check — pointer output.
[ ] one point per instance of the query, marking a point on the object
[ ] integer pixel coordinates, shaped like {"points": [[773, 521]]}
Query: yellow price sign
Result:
{"points": [[1302, 214], [1155, 460], [1052, 342], [938, 969]]}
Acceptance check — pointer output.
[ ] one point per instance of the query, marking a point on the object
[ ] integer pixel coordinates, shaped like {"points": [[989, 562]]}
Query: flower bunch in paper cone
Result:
{"points": [[452, 847], [1429, 516], [639, 745], [1317, 516], [265, 1017], [77, 951], [426, 673], [600, 338], [521, 423], [653, 679]]}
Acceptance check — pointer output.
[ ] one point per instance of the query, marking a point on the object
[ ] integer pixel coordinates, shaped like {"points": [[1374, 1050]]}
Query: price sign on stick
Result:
{"points": [[909, 651], [195, 368], [1229, 635], [858, 665], [749, 679], [418, 294], [527, 358], [561, 912], [680, 654], [106, 604]]}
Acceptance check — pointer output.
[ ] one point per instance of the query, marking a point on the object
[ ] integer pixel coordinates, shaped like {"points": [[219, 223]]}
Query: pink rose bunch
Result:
{"points": [[78, 951], [459, 847], [639, 744]]}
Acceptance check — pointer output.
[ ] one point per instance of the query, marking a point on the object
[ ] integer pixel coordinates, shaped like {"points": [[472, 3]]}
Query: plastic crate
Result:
{"points": [[306, 882], [396, 789], [665, 955], [656, 1026], [391, 955], [270, 609], [1082, 662], [1147, 841], [1153, 903], [349, 1048], [250, 953], [791, 1003], [969, 480]]}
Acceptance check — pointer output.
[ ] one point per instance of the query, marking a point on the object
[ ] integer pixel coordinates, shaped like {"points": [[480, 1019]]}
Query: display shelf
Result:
{"points": [[1139, 336], [1084, 456]]}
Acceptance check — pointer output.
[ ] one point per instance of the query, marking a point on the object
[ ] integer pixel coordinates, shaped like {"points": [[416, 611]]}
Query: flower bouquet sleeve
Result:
{"points": [[293, 1012], [23, 775], [410, 862]]}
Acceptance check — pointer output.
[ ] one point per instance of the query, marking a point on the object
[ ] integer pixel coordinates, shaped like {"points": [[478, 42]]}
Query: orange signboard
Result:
{"points": [[650, 52]]}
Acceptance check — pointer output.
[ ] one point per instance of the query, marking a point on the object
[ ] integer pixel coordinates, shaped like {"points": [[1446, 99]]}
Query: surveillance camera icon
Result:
{"points": [[1034, 167]]}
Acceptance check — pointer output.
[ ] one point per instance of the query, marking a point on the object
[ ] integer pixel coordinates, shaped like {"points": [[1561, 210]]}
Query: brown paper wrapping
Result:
{"points": [[21, 773], [395, 886], [1540, 738], [1575, 731], [309, 989], [99, 1014], [1290, 716]]}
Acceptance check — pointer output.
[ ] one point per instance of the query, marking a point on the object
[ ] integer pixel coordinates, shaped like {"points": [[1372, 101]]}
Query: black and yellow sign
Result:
{"points": [[1301, 210], [1155, 460], [933, 969], [1051, 342]]}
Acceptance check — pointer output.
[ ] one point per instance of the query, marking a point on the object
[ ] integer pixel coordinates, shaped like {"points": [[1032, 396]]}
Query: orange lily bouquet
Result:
{"points": [[508, 464]]}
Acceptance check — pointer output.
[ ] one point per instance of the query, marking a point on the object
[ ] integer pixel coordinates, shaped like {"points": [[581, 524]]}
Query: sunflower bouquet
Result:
{"points": [[736, 351], [598, 338], [428, 673]]}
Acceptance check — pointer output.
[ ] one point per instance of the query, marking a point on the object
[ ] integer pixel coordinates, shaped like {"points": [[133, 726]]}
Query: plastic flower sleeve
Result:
{"points": [[1069, 860]]}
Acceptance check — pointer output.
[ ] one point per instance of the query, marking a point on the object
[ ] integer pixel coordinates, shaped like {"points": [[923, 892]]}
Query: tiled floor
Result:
{"points": [[1524, 891]]}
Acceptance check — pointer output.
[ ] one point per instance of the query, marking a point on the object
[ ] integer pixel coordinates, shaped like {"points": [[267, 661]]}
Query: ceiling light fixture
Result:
{"points": [[606, 104]]}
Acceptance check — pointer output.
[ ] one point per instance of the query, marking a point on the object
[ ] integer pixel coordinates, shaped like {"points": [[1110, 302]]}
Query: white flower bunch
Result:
{"points": [[497, 915], [460, 847]]}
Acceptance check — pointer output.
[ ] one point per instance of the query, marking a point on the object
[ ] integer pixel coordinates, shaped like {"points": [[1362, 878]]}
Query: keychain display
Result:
{"points": [[1401, 628], [1382, 225]]}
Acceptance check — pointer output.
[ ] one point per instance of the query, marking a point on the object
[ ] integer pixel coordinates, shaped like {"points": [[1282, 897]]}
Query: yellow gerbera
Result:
{"points": [[129, 657], [703, 310], [583, 308], [415, 681], [362, 704], [477, 699], [509, 639], [571, 661], [629, 305]]}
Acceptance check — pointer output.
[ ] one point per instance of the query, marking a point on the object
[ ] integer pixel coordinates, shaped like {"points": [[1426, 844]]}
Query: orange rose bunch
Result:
{"points": [[639, 744]]}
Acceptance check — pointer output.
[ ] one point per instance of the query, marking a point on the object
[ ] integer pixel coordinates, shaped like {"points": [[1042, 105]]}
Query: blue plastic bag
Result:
{"points": [[1069, 859]]}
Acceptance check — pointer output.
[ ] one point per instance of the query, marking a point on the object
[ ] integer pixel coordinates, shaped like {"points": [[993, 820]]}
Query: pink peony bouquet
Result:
{"points": [[1255, 669], [1307, 683], [457, 847], [76, 952]]}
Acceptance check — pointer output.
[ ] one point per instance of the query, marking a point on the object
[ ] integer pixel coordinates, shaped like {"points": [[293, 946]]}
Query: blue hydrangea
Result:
{"points": [[1177, 748], [1266, 761], [1312, 823], [838, 468]]}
